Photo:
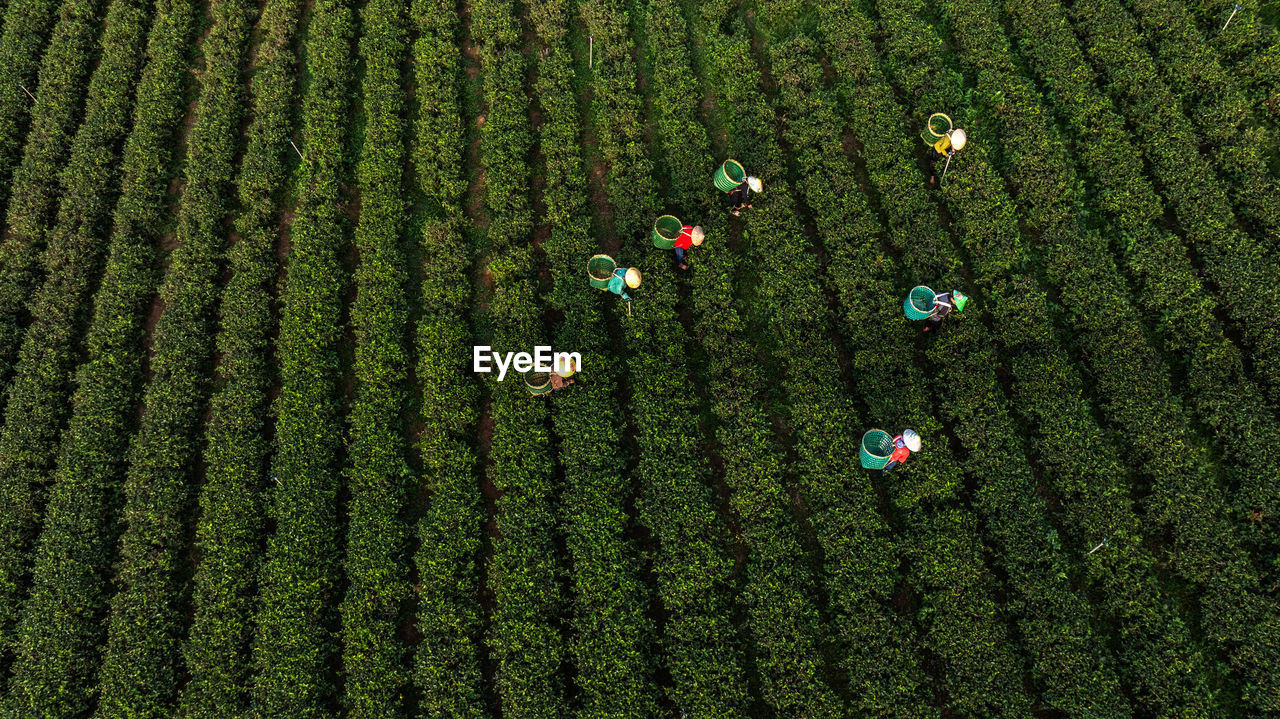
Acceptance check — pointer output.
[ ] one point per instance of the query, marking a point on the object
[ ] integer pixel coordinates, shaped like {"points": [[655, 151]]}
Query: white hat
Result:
{"points": [[958, 138], [755, 184], [697, 235], [911, 439], [632, 278]]}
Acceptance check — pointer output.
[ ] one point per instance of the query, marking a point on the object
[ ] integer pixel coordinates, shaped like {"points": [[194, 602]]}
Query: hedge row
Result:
{"points": [[700, 650], [1171, 293], [1218, 107], [779, 591], [525, 636], [294, 647], [228, 534], [27, 26], [64, 72], [378, 475], [139, 673], [1079, 263], [62, 623], [1240, 267], [446, 669], [37, 402], [612, 639]]}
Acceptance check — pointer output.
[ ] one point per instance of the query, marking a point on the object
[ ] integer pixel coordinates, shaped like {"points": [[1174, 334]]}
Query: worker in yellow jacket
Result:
{"points": [[945, 148]]}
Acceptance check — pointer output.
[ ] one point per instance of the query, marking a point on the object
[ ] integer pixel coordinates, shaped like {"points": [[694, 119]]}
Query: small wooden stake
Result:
{"points": [[24, 89], [591, 51], [1233, 14], [295, 149], [945, 168]]}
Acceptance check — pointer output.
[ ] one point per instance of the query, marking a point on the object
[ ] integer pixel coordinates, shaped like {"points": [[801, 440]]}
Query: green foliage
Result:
{"points": [[294, 648], [62, 622], [37, 403]]}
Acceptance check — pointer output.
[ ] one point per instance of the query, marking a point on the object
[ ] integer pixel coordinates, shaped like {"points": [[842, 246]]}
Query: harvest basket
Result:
{"points": [[538, 382], [877, 447], [936, 128], [729, 175], [600, 268], [666, 230], [919, 304]]}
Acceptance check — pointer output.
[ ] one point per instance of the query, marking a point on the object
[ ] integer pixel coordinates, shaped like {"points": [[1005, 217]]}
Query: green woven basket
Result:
{"points": [[600, 268], [877, 447], [666, 230], [729, 175], [936, 128], [919, 304], [538, 382]]}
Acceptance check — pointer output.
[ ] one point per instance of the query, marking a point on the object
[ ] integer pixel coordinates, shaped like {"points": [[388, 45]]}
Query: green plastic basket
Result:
{"points": [[666, 230], [877, 447], [600, 268], [538, 382], [729, 175], [936, 128], [919, 304]]}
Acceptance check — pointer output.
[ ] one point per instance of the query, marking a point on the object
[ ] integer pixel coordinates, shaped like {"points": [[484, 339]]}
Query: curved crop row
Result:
{"points": [[700, 649], [37, 402], [779, 590], [1207, 547], [216, 651], [447, 658], [294, 646], [1067, 657], [1222, 394], [27, 25], [1218, 109], [62, 623], [378, 472], [525, 637], [139, 673], [612, 639], [1240, 267], [64, 71]]}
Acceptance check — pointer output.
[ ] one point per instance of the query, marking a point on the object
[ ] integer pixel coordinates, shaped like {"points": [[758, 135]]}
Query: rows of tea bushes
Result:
{"points": [[140, 668], [1170, 292], [228, 535], [23, 42], [1217, 106], [37, 403], [446, 668], [1078, 261], [690, 564], [1240, 267], [526, 639], [612, 639], [294, 646], [64, 72], [779, 589], [377, 475], [62, 625], [1122, 580]]}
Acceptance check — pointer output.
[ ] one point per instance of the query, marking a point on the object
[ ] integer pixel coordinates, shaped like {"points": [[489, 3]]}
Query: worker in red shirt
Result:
{"points": [[903, 445], [690, 236]]}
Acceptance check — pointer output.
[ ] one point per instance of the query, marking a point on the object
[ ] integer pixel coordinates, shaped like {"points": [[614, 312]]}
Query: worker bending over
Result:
{"points": [[740, 196], [622, 279], [945, 149], [690, 236], [903, 445], [943, 303]]}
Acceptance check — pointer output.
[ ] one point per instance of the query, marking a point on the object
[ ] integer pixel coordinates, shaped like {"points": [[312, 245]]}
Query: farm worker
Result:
{"points": [[946, 148], [943, 303], [622, 279], [690, 236], [903, 445], [740, 195], [563, 377]]}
